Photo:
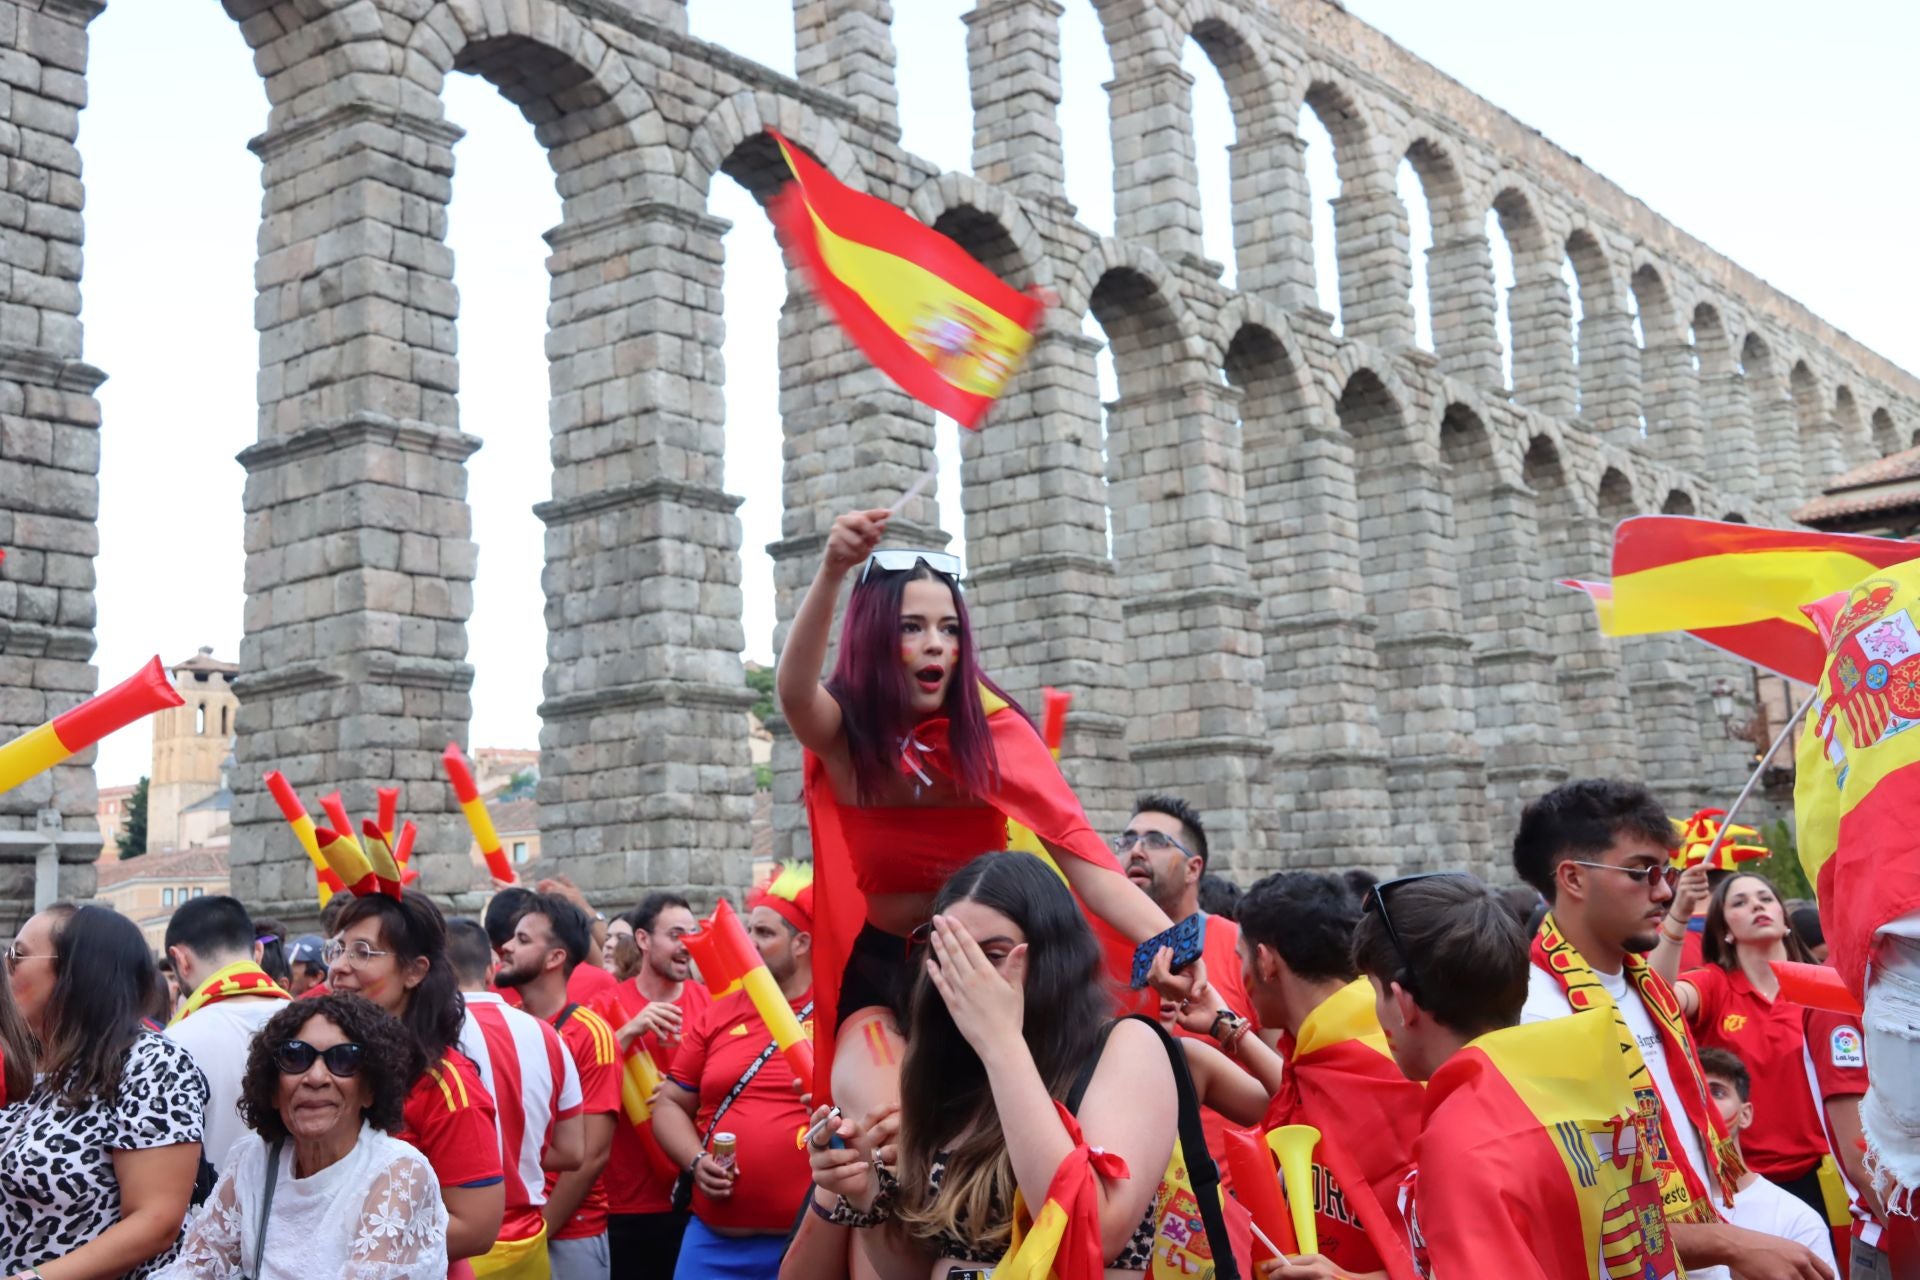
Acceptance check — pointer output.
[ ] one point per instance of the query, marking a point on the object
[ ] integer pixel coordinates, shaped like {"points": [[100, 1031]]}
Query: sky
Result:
{"points": [[1772, 131]]}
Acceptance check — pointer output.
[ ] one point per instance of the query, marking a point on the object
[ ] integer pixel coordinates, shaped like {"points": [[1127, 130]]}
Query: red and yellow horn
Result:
{"points": [[389, 812], [386, 868], [37, 750], [295, 813], [478, 820], [348, 860]]}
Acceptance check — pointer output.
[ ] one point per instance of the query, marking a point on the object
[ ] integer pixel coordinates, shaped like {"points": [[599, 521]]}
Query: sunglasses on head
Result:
{"points": [[900, 559], [1377, 901], [296, 1058]]}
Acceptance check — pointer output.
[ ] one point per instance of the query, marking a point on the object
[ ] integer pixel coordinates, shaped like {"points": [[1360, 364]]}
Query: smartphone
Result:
{"points": [[1186, 938]]}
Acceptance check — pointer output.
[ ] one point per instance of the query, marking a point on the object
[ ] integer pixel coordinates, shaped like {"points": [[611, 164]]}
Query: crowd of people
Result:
{"points": [[1025, 1034]]}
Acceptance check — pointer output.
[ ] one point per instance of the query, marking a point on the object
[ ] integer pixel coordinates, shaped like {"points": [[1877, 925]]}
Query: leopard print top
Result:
{"points": [[57, 1185]]}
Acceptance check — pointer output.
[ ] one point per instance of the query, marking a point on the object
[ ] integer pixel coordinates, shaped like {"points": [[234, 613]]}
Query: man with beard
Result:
{"points": [[550, 939], [728, 1078], [1600, 852], [652, 1011]]}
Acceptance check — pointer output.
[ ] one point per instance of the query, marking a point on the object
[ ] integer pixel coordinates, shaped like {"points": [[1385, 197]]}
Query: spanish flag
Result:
{"points": [[1517, 1172], [1856, 795], [1734, 586], [1062, 1240], [945, 328]]}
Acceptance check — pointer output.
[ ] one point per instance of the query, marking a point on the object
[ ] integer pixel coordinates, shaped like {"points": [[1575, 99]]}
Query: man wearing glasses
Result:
{"points": [[1600, 853]]}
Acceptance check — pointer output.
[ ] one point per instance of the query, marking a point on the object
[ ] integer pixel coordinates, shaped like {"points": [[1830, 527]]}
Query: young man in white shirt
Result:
{"points": [[212, 945], [1759, 1205], [1600, 852]]}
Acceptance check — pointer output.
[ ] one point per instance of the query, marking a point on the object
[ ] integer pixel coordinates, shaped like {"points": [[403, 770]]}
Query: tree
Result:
{"points": [[760, 680], [1782, 866], [133, 841]]}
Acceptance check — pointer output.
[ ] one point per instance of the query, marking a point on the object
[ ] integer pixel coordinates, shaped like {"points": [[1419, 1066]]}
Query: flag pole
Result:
{"points": [[1753, 779], [916, 488]]}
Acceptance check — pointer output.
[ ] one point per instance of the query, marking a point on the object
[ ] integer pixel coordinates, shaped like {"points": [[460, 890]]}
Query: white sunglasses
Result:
{"points": [[899, 559]]}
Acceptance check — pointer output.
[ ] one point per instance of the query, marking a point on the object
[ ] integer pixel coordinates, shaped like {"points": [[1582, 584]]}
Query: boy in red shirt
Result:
{"points": [[650, 1013], [551, 939], [743, 1208]]}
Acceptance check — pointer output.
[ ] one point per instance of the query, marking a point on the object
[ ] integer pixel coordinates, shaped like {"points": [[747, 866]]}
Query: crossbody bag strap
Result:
{"points": [[739, 1086], [266, 1204]]}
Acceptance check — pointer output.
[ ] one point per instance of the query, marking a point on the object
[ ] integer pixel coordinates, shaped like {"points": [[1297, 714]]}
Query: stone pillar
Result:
{"points": [[1610, 374], [1730, 458], [853, 441], [1273, 217], [1466, 330], [1594, 700], [1541, 315], [1823, 450], [1724, 762], [846, 48], [1041, 589], [1436, 776], [1156, 194], [1516, 706], [1670, 386], [1327, 776], [645, 777], [1784, 467], [1664, 718], [1376, 272], [49, 456], [1192, 624], [359, 545], [1013, 62]]}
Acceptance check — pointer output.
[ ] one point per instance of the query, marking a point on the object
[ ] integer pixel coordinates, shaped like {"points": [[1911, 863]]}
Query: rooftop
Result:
{"points": [[188, 864], [1887, 484], [204, 663]]}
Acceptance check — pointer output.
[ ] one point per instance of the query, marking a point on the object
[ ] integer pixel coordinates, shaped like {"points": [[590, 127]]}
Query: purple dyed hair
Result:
{"points": [[874, 692]]}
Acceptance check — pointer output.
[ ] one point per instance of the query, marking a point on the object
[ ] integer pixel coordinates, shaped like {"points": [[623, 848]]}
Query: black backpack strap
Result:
{"points": [[1202, 1173], [565, 1013]]}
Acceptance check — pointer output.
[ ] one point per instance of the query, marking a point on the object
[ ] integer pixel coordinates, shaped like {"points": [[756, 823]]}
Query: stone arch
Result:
{"points": [[1324, 90], [1820, 449], [1659, 318], [1138, 284], [988, 223], [1369, 395], [1607, 360], [1856, 440], [1678, 502], [1539, 312], [1711, 344], [1886, 437], [1614, 496], [1254, 82], [1774, 426], [749, 113], [1670, 373], [1460, 319]]}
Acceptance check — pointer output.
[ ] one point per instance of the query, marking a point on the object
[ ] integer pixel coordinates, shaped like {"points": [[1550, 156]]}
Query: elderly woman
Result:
{"points": [[320, 1187]]}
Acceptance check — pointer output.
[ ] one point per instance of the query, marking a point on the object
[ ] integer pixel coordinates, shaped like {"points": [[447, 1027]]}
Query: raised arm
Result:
{"points": [[1665, 958], [810, 710]]}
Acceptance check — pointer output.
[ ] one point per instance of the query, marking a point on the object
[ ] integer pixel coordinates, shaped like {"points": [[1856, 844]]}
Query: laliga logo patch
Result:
{"points": [[1847, 1047]]}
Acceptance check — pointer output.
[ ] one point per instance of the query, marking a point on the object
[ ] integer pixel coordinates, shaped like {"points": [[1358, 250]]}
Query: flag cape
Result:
{"points": [[1342, 1080], [1062, 1240], [1857, 778], [1518, 1174], [1029, 791], [928, 315], [1736, 586]]}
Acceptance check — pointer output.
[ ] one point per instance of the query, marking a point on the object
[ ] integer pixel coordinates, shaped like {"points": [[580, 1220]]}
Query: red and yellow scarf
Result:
{"points": [[241, 978], [1682, 1189]]}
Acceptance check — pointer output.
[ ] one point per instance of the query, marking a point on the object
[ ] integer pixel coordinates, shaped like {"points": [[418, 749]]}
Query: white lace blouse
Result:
{"points": [[375, 1214]]}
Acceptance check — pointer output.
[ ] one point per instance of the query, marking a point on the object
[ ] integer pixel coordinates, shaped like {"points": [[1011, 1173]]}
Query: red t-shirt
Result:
{"points": [[767, 1120], [448, 1115], [1836, 1061], [597, 1055], [315, 991], [1221, 954], [587, 983], [1787, 1138], [639, 1177]]}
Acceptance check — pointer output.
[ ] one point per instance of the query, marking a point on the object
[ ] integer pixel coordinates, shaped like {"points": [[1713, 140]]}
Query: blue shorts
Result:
{"points": [[706, 1256]]}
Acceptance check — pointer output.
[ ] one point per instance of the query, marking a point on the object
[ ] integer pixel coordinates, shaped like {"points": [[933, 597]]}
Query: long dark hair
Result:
{"points": [[16, 1048], [104, 977], [412, 928], [1727, 955], [874, 692], [944, 1093]]}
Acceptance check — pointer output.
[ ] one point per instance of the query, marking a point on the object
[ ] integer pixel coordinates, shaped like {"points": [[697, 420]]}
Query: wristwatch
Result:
{"points": [[1223, 1015]]}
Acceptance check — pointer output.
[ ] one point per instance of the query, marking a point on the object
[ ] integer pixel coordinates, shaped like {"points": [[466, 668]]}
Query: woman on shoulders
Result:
{"points": [[97, 1163], [325, 1084], [1009, 1023], [915, 763]]}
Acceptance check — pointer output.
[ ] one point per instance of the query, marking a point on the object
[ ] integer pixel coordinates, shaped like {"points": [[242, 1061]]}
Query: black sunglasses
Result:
{"points": [[1377, 901], [296, 1058]]}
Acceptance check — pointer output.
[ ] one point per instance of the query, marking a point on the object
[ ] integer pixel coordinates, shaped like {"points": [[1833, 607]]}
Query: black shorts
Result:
{"points": [[879, 972]]}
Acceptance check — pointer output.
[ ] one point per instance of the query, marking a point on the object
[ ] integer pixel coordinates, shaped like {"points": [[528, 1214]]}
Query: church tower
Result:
{"points": [[189, 743]]}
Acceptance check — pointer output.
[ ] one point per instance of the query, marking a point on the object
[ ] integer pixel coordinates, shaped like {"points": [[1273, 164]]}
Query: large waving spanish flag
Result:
{"points": [[1517, 1172], [1735, 586], [945, 328], [1856, 795]]}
